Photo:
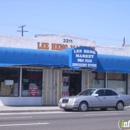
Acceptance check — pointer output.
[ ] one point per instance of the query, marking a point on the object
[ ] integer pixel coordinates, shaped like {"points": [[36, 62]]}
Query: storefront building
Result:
{"points": [[41, 70]]}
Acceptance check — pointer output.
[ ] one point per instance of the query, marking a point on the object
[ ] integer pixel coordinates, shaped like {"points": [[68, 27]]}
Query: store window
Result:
{"points": [[98, 79], [31, 82], [117, 81], [9, 82]]}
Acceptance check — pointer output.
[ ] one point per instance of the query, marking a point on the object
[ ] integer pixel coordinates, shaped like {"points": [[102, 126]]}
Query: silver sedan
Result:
{"points": [[102, 98]]}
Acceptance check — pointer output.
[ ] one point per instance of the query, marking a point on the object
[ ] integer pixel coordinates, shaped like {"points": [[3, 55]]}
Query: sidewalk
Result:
{"points": [[12, 109], [20, 109]]}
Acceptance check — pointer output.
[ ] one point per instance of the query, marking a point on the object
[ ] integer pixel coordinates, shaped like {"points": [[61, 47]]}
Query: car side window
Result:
{"points": [[100, 92], [114, 93], [110, 93]]}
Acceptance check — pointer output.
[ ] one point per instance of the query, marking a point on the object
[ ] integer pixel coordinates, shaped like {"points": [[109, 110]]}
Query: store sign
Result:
{"points": [[33, 91], [83, 57], [56, 46]]}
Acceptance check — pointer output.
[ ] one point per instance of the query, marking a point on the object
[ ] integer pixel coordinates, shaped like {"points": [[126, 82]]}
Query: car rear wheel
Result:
{"points": [[119, 105], [83, 106]]}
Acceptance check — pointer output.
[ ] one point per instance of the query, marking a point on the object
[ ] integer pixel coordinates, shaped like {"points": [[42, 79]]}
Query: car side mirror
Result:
{"points": [[96, 95]]}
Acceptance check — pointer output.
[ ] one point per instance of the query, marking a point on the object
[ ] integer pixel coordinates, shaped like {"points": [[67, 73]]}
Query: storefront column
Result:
{"points": [[90, 84], [20, 83], [126, 83], [57, 85], [86, 79], [43, 87], [83, 80], [52, 87], [105, 80], [128, 88]]}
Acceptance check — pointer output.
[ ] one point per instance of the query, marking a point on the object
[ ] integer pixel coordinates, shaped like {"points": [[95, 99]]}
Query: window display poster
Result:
{"points": [[33, 89], [65, 86], [9, 82], [15, 89]]}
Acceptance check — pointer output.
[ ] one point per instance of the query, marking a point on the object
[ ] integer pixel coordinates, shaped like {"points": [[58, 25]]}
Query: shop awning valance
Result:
{"points": [[113, 63], [32, 57]]}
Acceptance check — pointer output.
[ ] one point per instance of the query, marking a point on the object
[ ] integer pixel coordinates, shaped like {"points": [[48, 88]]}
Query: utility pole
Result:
{"points": [[22, 31], [123, 42]]}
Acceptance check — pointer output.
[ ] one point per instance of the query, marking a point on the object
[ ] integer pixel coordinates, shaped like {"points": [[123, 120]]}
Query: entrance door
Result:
{"points": [[74, 86]]}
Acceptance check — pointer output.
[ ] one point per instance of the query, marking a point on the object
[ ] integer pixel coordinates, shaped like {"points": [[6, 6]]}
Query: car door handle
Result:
{"points": [[104, 97], [116, 97]]}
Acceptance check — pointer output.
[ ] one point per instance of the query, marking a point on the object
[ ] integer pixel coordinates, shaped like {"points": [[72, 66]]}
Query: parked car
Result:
{"points": [[102, 98]]}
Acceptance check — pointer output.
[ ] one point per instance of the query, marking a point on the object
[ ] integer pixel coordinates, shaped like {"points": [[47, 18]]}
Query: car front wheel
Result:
{"points": [[119, 105], [83, 106]]}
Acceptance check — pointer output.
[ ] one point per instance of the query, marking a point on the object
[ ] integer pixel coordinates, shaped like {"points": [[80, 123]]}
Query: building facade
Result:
{"points": [[45, 84]]}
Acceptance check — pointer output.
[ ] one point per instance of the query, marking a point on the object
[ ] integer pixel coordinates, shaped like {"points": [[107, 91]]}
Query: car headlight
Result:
{"points": [[60, 101], [71, 100]]}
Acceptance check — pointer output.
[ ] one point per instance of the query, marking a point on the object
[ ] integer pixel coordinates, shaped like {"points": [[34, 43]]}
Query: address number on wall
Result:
{"points": [[67, 40]]}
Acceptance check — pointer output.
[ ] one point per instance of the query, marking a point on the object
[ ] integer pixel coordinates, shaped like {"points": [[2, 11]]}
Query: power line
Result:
{"points": [[22, 31]]}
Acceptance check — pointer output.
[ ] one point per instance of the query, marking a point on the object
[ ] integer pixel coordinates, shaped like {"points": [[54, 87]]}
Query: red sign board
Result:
{"points": [[65, 93], [33, 91]]}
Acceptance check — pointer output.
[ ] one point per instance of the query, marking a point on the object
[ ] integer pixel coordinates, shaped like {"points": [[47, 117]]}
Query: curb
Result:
{"points": [[20, 111]]}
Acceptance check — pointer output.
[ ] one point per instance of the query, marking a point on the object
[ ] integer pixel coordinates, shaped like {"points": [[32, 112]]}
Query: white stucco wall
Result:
{"points": [[32, 43], [18, 42], [113, 50], [65, 39]]}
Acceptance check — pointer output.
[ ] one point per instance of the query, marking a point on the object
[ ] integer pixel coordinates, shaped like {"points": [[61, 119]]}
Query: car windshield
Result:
{"points": [[87, 92]]}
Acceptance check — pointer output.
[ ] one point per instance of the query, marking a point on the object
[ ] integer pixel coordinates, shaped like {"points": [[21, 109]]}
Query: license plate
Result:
{"points": [[63, 105]]}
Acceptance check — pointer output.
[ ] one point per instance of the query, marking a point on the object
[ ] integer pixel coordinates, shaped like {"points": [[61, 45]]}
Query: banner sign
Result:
{"points": [[33, 91], [65, 86], [83, 57]]}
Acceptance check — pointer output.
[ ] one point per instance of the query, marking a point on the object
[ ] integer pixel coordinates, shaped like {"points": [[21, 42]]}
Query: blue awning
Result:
{"points": [[113, 63], [32, 57]]}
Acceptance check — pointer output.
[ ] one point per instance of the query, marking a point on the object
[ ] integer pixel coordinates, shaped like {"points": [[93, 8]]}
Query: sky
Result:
{"points": [[106, 22]]}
